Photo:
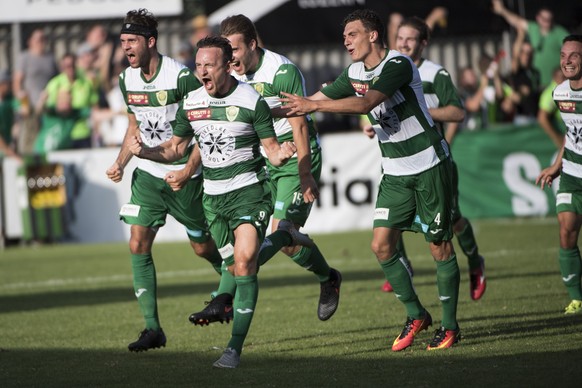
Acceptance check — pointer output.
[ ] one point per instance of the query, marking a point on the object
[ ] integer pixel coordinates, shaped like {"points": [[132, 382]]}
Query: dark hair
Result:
{"points": [[572, 38], [140, 22], [370, 20], [239, 24], [219, 42], [419, 25]]}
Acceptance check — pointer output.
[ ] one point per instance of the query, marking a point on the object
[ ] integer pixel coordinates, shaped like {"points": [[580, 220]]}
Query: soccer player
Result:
{"points": [[416, 188], [568, 165], [152, 86], [294, 185], [444, 106], [230, 122]]}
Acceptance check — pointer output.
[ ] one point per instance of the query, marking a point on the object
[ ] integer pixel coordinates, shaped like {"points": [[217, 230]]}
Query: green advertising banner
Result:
{"points": [[498, 169]]}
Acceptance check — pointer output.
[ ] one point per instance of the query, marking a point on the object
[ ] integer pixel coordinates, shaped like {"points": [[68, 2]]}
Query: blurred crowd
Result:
{"points": [[74, 101]]}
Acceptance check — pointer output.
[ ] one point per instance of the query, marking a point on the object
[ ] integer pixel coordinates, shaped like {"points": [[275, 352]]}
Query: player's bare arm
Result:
{"points": [[348, 105], [548, 174], [115, 172], [447, 114], [278, 154], [177, 179], [301, 139], [167, 152]]}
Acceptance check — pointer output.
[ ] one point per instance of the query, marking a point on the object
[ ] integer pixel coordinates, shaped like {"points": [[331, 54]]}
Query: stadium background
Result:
{"points": [[348, 182]]}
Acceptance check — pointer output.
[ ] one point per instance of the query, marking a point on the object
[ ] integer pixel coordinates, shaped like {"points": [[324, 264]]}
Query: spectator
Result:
{"points": [[548, 114], [485, 97], [68, 100], [111, 122], [545, 37], [7, 108], [437, 16], [109, 58], [34, 68], [524, 80], [185, 55]]}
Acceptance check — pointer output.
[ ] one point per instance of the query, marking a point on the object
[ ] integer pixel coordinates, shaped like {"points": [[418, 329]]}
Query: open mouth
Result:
{"points": [[207, 82]]}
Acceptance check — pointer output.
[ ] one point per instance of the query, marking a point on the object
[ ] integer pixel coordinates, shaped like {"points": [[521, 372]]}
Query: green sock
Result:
{"points": [[400, 246], [273, 244], [312, 260], [227, 282], [468, 244], [145, 287], [245, 300], [448, 279], [399, 277], [571, 269]]}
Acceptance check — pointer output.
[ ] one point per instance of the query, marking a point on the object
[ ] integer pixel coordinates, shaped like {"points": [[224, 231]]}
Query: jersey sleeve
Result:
{"points": [[340, 88], [182, 126], [123, 89], [546, 101], [187, 82], [263, 121], [445, 90], [396, 73], [288, 79]]}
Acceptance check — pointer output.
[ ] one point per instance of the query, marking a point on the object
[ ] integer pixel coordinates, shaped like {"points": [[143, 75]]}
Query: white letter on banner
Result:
{"points": [[528, 199]]}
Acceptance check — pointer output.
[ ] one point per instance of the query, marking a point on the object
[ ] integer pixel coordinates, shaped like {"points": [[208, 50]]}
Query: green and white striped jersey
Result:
{"points": [[408, 139], [274, 75], [569, 103], [155, 103], [438, 87], [228, 131]]}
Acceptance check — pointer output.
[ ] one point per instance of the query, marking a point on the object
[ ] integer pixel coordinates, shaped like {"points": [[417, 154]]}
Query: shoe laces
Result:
{"points": [[407, 327], [439, 336]]}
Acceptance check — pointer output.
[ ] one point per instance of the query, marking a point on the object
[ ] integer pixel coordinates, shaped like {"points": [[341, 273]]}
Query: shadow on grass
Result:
{"points": [[56, 299], [164, 368]]}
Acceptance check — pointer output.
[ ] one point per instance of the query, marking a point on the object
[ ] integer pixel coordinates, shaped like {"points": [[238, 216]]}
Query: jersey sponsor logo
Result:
{"points": [[162, 97], [444, 72], [575, 134], [281, 72], [442, 298], [130, 210], [184, 74], [193, 104], [359, 87], [381, 213], [138, 99], [232, 112], [154, 127], [397, 61], [216, 145], [563, 199], [567, 106], [198, 114], [435, 231]]}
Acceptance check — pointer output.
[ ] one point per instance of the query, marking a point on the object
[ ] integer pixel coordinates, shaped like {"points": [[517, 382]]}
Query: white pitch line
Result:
{"points": [[56, 283]]}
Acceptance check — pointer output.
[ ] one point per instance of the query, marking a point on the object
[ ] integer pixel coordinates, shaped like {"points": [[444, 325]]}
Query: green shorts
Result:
{"points": [[421, 203], [285, 186], [152, 199], [225, 212], [569, 195]]}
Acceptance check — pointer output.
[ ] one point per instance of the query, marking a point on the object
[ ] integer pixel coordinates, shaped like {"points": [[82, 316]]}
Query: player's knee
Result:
{"points": [[204, 250]]}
